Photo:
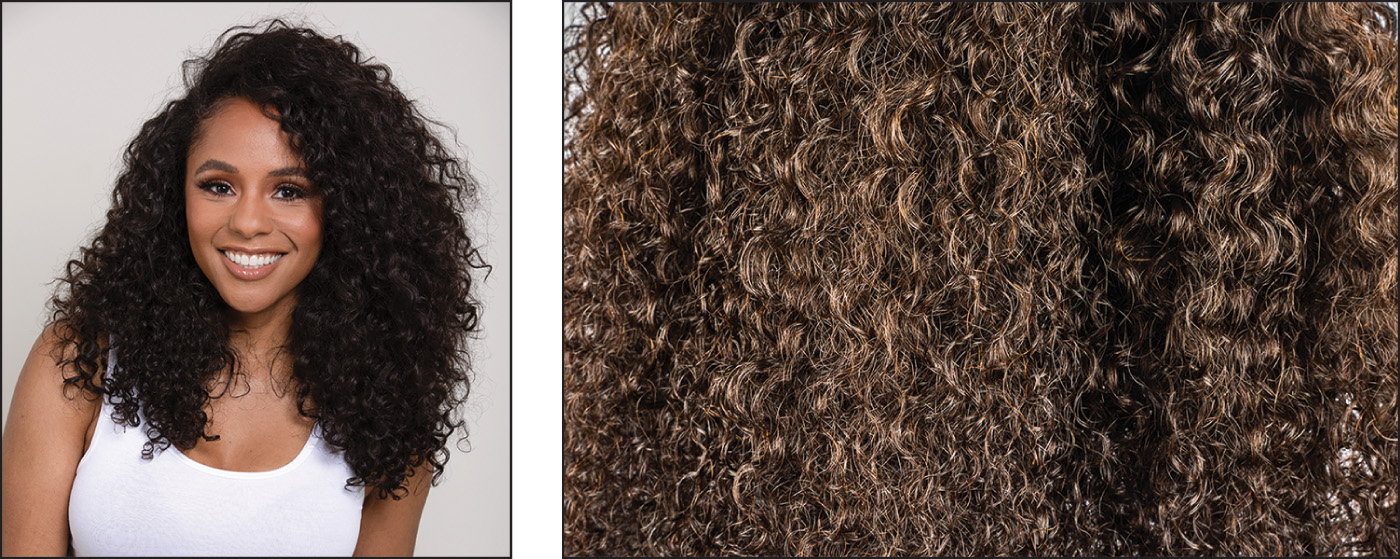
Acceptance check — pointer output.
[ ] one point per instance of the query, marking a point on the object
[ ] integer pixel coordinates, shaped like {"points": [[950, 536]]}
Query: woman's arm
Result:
{"points": [[389, 527], [43, 442]]}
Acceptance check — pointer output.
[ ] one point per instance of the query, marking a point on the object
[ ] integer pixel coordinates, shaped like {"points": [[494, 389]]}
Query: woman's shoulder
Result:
{"points": [[44, 394], [53, 360], [46, 435]]}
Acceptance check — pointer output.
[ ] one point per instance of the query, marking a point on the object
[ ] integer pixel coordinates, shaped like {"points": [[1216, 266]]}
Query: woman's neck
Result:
{"points": [[258, 338]]}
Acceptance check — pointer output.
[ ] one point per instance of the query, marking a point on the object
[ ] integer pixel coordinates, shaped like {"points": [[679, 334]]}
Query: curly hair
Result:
{"points": [[378, 337], [980, 279]]}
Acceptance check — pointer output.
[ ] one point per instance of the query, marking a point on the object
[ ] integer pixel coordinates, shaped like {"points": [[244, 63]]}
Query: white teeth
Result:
{"points": [[251, 261]]}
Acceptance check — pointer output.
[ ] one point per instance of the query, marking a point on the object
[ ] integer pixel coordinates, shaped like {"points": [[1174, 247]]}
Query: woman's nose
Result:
{"points": [[251, 217]]}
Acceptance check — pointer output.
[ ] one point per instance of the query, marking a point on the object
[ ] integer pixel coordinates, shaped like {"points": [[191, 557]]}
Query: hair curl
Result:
{"points": [[378, 336], [980, 279]]}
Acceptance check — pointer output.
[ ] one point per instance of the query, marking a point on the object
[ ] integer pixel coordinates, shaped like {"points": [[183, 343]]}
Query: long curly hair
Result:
{"points": [[378, 337], [980, 279]]}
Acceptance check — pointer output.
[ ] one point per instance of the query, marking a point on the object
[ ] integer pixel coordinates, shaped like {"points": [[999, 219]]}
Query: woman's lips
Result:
{"points": [[249, 274]]}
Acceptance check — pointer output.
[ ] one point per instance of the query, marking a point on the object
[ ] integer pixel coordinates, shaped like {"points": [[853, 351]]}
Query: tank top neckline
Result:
{"points": [[303, 456], [289, 466]]}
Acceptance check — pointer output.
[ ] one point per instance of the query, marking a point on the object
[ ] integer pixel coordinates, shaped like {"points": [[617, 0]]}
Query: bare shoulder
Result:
{"points": [[389, 527], [43, 376], [44, 439], [43, 405]]}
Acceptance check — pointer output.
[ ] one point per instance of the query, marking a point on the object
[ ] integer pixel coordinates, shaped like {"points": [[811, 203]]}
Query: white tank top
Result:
{"points": [[123, 505]]}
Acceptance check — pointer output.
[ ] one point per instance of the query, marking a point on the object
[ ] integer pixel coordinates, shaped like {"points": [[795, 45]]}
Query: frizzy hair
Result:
{"points": [[980, 279], [378, 337]]}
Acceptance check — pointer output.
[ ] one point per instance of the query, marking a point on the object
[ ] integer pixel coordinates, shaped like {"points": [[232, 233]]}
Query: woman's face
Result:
{"points": [[254, 220]]}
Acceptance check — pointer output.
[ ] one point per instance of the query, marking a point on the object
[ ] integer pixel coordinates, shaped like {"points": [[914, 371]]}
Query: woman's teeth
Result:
{"points": [[251, 261]]}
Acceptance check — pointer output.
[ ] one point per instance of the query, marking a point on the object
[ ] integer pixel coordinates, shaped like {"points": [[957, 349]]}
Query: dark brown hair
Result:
{"points": [[980, 279]]}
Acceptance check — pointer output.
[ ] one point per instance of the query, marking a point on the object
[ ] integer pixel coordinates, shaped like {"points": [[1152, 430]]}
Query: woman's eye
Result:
{"points": [[217, 188], [289, 192]]}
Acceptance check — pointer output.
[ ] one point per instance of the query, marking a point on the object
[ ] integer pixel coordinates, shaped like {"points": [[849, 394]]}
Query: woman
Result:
{"points": [[261, 352]]}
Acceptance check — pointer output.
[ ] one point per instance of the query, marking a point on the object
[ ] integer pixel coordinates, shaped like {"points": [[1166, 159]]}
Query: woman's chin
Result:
{"points": [[246, 306]]}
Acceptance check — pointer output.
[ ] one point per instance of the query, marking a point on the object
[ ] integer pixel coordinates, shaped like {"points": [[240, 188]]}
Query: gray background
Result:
{"points": [[80, 79]]}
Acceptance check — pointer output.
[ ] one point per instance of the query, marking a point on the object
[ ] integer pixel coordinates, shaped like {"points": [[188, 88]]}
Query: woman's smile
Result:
{"points": [[251, 266]]}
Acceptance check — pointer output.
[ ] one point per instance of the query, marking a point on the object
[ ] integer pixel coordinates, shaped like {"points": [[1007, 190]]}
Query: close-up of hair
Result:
{"points": [[980, 279], [393, 281]]}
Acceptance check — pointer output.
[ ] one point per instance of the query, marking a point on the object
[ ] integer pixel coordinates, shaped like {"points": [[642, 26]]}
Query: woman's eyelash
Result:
{"points": [[211, 185], [296, 191], [285, 191]]}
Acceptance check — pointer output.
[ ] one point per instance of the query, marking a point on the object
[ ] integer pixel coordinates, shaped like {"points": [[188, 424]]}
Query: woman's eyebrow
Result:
{"points": [[215, 164], [287, 172]]}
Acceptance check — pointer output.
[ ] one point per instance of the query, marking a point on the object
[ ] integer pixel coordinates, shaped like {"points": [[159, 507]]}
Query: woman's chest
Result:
{"points": [[253, 432]]}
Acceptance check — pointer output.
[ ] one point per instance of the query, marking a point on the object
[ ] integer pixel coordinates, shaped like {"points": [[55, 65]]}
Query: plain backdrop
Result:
{"points": [[80, 79]]}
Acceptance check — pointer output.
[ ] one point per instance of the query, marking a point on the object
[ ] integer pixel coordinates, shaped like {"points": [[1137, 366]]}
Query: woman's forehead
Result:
{"points": [[240, 134]]}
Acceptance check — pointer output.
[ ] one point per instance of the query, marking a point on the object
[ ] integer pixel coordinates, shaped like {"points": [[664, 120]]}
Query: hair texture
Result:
{"points": [[980, 279], [379, 334]]}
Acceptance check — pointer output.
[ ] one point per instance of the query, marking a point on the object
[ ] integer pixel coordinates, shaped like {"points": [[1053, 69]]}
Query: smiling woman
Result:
{"points": [[263, 351]]}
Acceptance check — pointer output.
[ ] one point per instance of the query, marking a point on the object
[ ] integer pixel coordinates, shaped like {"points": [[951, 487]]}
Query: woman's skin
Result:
{"points": [[244, 192], [46, 435]]}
